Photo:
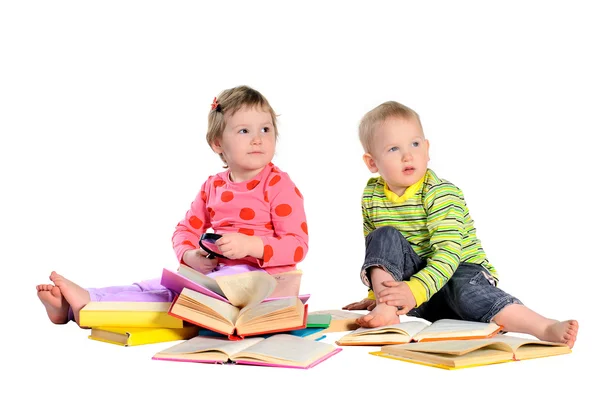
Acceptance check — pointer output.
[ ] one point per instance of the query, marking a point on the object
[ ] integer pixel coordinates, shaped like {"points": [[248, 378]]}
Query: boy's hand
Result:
{"points": [[238, 245], [365, 304], [196, 259], [398, 294]]}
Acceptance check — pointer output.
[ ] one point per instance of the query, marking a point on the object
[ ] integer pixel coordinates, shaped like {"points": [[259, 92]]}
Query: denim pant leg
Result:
{"points": [[388, 249], [472, 294]]}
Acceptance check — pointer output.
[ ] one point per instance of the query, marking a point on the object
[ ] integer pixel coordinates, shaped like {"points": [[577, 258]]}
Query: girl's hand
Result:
{"points": [[196, 259], [238, 245]]}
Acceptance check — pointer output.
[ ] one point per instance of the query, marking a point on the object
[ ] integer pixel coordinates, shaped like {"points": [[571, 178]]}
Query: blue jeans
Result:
{"points": [[470, 294]]}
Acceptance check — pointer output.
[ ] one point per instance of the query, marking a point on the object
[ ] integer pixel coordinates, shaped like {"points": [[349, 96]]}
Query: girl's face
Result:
{"points": [[248, 142]]}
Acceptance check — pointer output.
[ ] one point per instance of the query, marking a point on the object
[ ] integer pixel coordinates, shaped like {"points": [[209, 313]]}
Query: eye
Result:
{"points": [[243, 131], [265, 130], [393, 149], [416, 144]]}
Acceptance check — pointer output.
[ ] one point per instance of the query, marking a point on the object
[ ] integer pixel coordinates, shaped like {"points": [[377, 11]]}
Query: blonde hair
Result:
{"points": [[374, 118], [229, 102]]}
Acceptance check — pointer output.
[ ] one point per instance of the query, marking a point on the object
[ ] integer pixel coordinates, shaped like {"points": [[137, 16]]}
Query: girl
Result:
{"points": [[254, 206]]}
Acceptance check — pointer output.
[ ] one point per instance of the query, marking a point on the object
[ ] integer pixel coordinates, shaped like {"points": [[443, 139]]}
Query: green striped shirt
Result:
{"points": [[433, 217]]}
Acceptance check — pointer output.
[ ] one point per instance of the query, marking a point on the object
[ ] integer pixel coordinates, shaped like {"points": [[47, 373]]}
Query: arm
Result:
{"points": [[445, 209], [289, 244], [188, 231]]}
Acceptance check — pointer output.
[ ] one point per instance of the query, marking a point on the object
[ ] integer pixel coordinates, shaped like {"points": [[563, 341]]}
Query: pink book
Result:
{"points": [[202, 283], [281, 350]]}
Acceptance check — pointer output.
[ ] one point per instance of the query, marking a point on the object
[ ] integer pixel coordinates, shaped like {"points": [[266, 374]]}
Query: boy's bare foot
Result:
{"points": [[380, 316], [76, 296], [56, 305], [562, 332]]}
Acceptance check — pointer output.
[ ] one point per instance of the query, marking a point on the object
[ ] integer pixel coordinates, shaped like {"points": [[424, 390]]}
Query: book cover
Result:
{"points": [[141, 336], [128, 314]]}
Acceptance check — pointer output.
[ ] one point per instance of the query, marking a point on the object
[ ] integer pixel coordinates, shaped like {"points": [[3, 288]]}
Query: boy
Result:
{"points": [[422, 256]]}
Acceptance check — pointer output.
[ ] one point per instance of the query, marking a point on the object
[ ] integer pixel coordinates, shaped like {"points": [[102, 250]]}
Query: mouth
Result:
{"points": [[408, 170], [256, 152]]}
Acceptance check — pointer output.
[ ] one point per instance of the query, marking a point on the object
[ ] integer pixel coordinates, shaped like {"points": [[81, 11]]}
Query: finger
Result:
{"points": [[372, 306], [403, 311], [395, 302], [391, 283]]}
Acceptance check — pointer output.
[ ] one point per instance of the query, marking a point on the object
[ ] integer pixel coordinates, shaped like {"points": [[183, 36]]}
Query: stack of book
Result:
{"points": [[134, 323]]}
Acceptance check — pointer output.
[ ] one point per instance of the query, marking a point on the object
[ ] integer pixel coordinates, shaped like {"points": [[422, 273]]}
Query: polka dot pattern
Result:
{"points": [[274, 180], [283, 210], [195, 222], [298, 193], [251, 185], [247, 214], [268, 253], [188, 242], [298, 254], [304, 227], [247, 232], [267, 197], [218, 183], [226, 196], [203, 196]]}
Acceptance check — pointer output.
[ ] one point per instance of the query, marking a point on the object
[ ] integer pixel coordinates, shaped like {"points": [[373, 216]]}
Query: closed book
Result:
{"points": [[141, 336], [128, 314]]}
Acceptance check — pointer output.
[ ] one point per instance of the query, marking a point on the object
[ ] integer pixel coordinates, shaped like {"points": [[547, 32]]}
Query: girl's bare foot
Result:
{"points": [[562, 332], [380, 316], [76, 296], [56, 305]]}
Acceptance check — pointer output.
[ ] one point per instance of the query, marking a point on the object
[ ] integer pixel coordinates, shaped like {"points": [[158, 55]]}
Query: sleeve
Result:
{"points": [[368, 227], [445, 209], [197, 221], [289, 244]]}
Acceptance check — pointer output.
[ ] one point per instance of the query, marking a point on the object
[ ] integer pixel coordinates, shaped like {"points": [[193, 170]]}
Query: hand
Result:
{"points": [[365, 304], [397, 293], [196, 259], [238, 245]]}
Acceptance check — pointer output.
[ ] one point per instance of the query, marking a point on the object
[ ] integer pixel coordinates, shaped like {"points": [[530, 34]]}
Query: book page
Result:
{"points": [[248, 288], [204, 344], [457, 329], [250, 313], [482, 356], [532, 348], [288, 284], [408, 328], [453, 347], [200, 278], [285, 350], [190, 299]]}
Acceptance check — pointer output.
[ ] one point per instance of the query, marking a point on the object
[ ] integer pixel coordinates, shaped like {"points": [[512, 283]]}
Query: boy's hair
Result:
{"points": [[229, 102], [381, 113]]}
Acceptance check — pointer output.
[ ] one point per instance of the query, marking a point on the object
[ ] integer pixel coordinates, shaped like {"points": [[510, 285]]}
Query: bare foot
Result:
{"points": [[76, 296], [56, 305], [562, 332], [380, 316]]}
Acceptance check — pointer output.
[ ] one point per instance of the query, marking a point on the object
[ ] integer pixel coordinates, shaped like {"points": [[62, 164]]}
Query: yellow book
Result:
{"points": [[128, 314], [455, 354], [142, 336]]}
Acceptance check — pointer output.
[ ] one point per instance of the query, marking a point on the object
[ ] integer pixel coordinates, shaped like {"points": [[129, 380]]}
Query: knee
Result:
{"points": [[386, 233]]}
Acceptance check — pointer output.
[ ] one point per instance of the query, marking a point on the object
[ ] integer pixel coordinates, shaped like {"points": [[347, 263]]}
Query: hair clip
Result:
{"points": [[216, 105]]}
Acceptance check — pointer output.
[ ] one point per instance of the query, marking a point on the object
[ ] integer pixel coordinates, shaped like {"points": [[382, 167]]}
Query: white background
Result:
{"points": [[103, 110]]}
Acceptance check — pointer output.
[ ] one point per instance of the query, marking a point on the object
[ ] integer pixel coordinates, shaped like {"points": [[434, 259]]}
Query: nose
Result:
{"points": [[256, 139], [407, 156]]}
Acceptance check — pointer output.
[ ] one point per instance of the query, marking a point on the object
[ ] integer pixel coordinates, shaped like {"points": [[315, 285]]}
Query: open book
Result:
{"points": [[286, 284], [246, 311], [455, 354], [418, 331], [276, 351]]}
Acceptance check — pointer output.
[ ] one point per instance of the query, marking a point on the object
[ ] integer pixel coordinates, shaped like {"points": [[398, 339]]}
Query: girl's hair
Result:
{"points": [[381, 113], [228, 103]]}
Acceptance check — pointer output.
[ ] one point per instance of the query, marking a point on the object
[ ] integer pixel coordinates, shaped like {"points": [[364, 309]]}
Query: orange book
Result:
{"points": [[246, 312], [420, 331]]}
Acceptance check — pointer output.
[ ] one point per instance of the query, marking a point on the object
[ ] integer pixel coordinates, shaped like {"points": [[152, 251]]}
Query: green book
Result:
{"points": [[318, 320]]}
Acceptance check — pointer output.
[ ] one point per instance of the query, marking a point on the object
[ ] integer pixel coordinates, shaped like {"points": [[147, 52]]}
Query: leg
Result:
{"points": [[519, 318], [388, 257]]}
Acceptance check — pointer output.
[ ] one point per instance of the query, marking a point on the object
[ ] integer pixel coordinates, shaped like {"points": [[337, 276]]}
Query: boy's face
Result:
{"points": [[399, 154]]}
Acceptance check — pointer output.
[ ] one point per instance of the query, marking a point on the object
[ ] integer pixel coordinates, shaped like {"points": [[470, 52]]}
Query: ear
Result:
{"points": [[216, 146], [427, 148], [370, 162]]}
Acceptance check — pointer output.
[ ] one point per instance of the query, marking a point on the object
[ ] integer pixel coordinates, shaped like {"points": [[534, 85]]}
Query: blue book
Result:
{"points": [[304, 332]]}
